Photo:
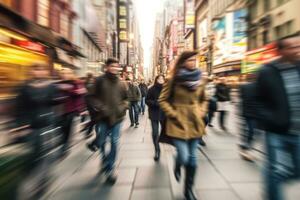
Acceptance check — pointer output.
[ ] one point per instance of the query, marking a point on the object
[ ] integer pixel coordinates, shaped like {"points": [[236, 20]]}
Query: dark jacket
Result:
{"points": [[249, 103], [144, 89], [35, 105], [74, 101], [274, 111], [222, 92], [109, 100], [133, 93], [155, 113]]}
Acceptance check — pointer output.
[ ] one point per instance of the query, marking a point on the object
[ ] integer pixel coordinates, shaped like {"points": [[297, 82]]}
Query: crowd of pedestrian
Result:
{"points": [[179, 108]]}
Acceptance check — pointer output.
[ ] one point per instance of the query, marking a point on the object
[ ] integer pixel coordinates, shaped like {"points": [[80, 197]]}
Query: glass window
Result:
{"points": [[290, 27], [43, 12], [265, 37]]}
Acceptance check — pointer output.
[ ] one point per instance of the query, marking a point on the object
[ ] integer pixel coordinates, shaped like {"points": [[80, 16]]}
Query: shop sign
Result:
{"points": [[256, 58], [220, 46], [33, 46], [189, 15], [122, 20]]}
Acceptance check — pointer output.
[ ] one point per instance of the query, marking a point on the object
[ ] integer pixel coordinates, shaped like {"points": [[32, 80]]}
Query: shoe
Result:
{"points": [[143, 113], [210, 125], [92, 147], [136, 125], [189, 182], [157, 156], [224, 128], [177, 172], [246, 156], [131, 125], [111, 178], [202, 143]]}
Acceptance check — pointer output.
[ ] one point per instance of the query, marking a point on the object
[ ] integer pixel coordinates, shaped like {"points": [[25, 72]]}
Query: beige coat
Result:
{"points": [[185, 113]]}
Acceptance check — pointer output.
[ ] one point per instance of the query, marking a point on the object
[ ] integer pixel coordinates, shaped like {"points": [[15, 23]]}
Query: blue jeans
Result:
{"points": [[282, 162], [134, 112], [248, 135], [186, 152], [143, 104], [103, 132]]}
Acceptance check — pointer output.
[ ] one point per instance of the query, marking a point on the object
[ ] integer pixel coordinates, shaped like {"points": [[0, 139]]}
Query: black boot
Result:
{"points": [[157, 153], [177, 171], [189, 182]]}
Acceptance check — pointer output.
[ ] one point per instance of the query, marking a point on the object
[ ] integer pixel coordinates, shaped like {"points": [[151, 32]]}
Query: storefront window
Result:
{"points": [[43, 12]]}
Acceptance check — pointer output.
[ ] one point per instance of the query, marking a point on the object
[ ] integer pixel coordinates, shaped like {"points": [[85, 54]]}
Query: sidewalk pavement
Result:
{"points": [[221, 172]]}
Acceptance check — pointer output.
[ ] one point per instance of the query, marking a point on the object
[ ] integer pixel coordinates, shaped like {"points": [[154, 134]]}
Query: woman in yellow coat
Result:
{"points": [[183, 101]]}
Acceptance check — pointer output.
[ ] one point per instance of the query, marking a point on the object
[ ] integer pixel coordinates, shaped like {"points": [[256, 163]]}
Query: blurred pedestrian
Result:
{"points": [[156, 115], [34, 105], [182, 100], [144, 90], [73, 90], [223, 98], [212, 100], [249, 109], [110, 106], [134, 97], [278, 90]]}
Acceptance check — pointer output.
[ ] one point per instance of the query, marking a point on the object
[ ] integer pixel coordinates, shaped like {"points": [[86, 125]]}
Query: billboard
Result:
{"points": [[189, 15], [202, 34], [219, 48], [123, 20], [256, 58]]}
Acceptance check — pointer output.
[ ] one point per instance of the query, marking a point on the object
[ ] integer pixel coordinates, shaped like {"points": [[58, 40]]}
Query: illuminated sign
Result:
{"points": [[189, 14], [30, 45], [122, 20]]}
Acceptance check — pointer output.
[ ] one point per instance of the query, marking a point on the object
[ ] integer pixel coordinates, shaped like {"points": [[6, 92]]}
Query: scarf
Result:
{"points": [[188, 78]]}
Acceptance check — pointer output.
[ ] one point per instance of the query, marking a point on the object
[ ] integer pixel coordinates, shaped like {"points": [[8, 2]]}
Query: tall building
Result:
{"points": [[272, 19]]}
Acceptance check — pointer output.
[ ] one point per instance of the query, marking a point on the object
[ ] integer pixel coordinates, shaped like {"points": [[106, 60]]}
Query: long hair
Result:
{"points": [[157, 77], [181, 60]]}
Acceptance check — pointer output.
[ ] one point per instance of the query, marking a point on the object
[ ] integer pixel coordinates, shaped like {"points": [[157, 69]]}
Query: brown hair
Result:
{"points": [[181, 60]]}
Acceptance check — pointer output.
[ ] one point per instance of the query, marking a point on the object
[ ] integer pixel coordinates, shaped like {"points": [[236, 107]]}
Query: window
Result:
{"points": [[266, 5], [265, 36], [64, 25], [290, 27], [43, 12], [253, 10]]}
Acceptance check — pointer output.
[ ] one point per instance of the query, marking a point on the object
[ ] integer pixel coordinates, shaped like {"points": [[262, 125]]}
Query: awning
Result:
{"points": [[65, 59]]}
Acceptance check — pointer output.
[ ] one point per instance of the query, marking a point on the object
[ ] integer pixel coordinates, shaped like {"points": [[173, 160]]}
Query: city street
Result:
{"points": [[221, 172]]}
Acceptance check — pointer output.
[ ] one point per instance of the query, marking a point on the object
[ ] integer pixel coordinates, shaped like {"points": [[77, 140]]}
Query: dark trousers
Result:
{"points": [[248, 133], [222, 118], [155, 133], [67, 120], [134, 112], [210, 116]]}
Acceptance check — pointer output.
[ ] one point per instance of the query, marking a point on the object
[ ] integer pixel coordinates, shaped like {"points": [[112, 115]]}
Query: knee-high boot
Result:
{"points": [[189, 183]]}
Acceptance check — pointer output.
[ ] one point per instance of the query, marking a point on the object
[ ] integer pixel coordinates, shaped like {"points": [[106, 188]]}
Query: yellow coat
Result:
{"points": [[186, 111]]}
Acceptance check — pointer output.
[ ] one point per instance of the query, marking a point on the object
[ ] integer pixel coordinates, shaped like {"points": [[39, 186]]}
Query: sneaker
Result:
{"points": [[246, 156], [210, 125], [111, 178], [202, 142], [131, 125]]}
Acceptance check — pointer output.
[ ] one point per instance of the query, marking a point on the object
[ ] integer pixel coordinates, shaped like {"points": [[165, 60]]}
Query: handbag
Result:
{"points": [[164, 138]]}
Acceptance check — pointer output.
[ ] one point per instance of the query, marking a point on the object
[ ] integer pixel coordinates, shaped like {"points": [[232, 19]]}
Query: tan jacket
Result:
{"points": [[185, 112]]}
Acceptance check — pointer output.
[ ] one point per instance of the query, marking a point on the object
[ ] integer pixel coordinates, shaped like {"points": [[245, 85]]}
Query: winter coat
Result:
{"points": [[109, 100], [133, 93], [155, 112], [249, 100], [34, 105], [184, 111], [74, 97], [222, 92], [144, 89]]}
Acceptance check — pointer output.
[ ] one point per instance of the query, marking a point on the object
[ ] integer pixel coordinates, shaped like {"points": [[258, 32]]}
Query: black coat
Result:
{"points": [[249, 103], [144, 89], [222, 92], [274, 111], [155, 113]]}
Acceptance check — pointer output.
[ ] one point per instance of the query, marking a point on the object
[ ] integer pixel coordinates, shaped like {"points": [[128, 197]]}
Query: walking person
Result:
{"points": [[278, 90], [134, 97], [35, 110], [249, 109], [223, 98], [73, 90], [182, 99], [212, 100], [144, 90], [156, 115], [110, 106]]}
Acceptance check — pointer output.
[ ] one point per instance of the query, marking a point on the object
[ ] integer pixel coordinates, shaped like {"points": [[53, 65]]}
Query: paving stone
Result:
{"points": [[239, 170], [248, 191], [137, 154], [214, 154], [217, 195], [156, 176], [151, 194], [138, 146]]}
